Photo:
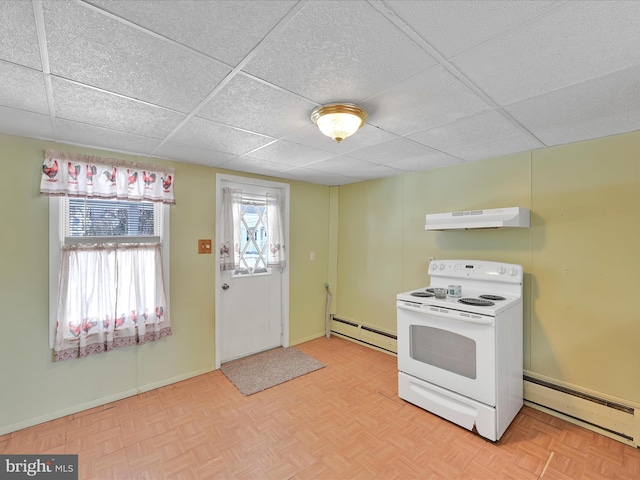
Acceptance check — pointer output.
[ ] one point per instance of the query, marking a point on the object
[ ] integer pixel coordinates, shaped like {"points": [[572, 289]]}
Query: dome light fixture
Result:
{"points": [[339, 120]]}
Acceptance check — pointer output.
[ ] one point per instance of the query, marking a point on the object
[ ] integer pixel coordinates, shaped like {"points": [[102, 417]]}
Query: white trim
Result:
{"points": [[285, 188]]}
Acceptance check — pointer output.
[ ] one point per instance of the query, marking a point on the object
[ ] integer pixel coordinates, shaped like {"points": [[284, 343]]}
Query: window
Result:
{"points": [[108, 251], [108, 274], [252, 235], [253, 238], [110, 218]]}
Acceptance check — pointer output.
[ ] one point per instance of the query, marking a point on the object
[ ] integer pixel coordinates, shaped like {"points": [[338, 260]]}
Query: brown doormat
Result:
{"points": [[266, 369]]}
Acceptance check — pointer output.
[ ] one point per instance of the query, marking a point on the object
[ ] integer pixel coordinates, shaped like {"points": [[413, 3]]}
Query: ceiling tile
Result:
{"points": [[253, 105], [393, 151], [192, 154], [91, 48], [111, 111], [433, 97], [434, 160], [226, 30], [380, 171], [26, 124], [22, 88], [452, 27], [255, 165], [350, 167], [481, 128], [604, 106], [214, 136], [90, 135], [368, 135], [289, 154], [574, 42], [504, 146], [338, 51], [315, 176], [18, 36]]}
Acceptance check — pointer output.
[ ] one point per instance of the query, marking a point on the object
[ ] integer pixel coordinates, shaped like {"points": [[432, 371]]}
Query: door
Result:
{"points": [[250, 298]]}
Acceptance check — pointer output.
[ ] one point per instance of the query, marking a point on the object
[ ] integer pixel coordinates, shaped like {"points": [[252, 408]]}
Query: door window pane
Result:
{"points": [[253, 238]]}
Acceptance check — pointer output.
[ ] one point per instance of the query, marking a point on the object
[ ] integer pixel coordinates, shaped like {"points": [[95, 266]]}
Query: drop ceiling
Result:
{"points": [[232, 84]]}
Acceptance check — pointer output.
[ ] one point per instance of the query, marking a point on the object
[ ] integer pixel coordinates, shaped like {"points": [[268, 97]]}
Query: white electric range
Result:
{"points": [[460, 357]]}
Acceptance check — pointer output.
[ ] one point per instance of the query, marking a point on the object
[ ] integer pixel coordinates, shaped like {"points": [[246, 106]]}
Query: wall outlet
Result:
{"points": [[312, 256]]}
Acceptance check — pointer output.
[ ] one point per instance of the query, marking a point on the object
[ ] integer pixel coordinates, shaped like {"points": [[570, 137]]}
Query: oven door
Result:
{"points": [[451, 349]]}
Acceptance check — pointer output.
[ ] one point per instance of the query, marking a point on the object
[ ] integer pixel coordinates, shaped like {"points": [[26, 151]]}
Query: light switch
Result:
{"points": [[312, 256], [204, 246]]}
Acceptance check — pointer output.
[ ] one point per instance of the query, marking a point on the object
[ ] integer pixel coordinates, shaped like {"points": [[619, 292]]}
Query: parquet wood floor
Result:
{"points": [[344, 421]]}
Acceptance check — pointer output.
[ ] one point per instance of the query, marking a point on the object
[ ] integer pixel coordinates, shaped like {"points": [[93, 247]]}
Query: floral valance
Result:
{"points": [[75, 175]]}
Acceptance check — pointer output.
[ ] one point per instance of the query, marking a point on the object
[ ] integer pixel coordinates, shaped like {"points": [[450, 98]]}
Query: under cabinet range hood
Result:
{"points": [[511, 217]]}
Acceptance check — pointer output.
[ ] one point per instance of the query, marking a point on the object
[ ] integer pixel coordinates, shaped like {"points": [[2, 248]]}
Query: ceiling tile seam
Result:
{"points": [[247, 154], [38, 16], [574, 84], [237, 69], [514, 28], [107, 129], [116, 94], [151, 33], [279, 88], [451, 68], [480, 144]]}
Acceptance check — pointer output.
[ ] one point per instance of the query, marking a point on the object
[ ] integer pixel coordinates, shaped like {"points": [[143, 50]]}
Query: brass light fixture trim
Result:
{"points": [[339, 120]]}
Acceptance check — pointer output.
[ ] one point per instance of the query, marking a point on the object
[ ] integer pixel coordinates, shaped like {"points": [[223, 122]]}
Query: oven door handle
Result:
{"points": [[426, 310]]}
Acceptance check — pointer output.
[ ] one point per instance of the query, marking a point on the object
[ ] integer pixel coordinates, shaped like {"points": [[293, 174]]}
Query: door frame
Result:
{"points": [[284, 277]]}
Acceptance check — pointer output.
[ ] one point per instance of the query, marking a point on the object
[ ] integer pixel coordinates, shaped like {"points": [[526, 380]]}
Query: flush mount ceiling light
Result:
{"points": [[339, 120]]}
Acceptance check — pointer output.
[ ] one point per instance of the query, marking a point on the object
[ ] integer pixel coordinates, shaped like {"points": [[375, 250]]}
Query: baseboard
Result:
{"points": [[163, 383], [367, 335], [307, 339], [610, 417], [99, 402]]}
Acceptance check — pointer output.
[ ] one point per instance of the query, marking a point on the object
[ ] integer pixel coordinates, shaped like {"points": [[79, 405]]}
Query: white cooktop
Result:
{"points": [[475, 278]]}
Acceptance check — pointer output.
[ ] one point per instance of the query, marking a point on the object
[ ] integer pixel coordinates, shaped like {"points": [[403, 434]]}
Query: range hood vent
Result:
{"points": [[511, 217]]}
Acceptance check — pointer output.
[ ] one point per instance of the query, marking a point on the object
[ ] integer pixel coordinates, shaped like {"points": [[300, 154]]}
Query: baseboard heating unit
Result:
{"points": [[610, 418], [365, 335]]}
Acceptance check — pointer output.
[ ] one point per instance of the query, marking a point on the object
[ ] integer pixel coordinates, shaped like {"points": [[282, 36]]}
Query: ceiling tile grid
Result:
{"points": [[232, 84]]}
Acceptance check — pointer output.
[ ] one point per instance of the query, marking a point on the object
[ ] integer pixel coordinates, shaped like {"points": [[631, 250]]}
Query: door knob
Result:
{"points": [[225, 286]]}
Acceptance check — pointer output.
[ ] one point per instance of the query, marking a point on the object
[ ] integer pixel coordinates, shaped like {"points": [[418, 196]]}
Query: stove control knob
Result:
{"points": [[513, 272], [441, 266], [502, 270], [433, 265]]}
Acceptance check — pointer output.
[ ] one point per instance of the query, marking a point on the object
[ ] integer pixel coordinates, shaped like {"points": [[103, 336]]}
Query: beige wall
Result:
{"points": [[580, 256], [33, 388]]}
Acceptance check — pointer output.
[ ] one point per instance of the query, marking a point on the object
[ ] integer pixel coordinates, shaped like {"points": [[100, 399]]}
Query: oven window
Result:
{"points": [[443, 349]]}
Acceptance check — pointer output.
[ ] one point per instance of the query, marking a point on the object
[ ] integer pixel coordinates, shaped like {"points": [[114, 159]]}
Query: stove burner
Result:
{"points": [[422, 294], [476, 301], [492, 297]]}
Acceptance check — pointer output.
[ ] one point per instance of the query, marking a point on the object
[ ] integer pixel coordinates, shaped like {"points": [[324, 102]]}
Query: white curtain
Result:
{"points": [[275, 233], [109, 296], [230, 213]]}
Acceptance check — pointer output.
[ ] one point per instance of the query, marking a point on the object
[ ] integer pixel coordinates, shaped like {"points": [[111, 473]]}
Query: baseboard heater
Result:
{"points": [[365, 334], [612, 419]]}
